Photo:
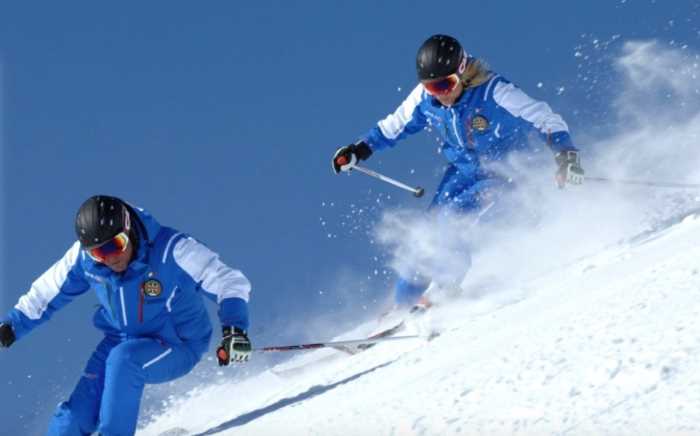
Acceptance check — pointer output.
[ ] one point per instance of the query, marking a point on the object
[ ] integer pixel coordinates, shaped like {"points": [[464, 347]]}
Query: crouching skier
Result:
{"points": [[150, 281], [483, 119]]}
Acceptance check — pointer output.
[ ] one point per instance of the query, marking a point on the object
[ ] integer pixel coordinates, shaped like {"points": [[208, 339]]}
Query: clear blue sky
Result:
{"points": [[221, 117]]}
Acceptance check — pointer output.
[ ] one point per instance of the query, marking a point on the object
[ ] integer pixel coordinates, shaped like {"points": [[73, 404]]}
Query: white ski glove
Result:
{"points": [[235, 346], [570, 170]]}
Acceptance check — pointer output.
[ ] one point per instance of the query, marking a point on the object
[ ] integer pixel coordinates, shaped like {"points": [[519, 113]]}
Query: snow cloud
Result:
{"points": [[659, 109]]}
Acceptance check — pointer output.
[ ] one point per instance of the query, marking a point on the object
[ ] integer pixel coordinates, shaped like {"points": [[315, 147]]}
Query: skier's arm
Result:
{"points": [[227, 286], [406, 120], [551, 126], [51, 291]]}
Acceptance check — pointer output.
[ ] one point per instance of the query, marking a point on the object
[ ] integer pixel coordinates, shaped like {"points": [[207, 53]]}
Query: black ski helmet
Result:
{"points": [[439, 56], [99, 219]]}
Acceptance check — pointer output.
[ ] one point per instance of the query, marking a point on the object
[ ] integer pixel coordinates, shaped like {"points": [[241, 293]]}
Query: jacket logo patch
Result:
{"points": [[480, 123], [152, 287]]}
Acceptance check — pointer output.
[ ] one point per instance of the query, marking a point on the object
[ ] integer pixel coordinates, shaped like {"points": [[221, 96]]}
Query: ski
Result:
{"points": [[374, 338], [333, 344], [390, 331]]}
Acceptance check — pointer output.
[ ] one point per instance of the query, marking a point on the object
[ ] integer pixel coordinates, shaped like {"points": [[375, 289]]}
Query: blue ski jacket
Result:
{"points": [[485, 124], [159, 296]]}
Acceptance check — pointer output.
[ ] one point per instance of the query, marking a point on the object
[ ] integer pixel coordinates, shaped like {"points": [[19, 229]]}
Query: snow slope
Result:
{"points": [[609, 344]]}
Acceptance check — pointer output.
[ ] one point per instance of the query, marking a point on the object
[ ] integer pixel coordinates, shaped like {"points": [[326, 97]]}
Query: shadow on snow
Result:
{"points": [[312, 392]]}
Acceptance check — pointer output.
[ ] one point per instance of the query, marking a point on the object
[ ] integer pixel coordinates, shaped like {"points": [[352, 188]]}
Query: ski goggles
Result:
{"points": [[114, 246], [442, 86]]}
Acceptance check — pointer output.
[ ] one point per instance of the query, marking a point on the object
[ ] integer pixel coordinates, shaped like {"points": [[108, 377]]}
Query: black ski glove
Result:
{"points": [[346, 157], [7, 335], [570, 170], [235, 346]]}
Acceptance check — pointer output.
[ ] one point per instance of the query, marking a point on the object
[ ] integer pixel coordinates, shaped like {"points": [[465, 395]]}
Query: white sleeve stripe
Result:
{"points": [[167, 246], [521, 105], [44, 289], [394, 124], [488, 87], [204, 266]]}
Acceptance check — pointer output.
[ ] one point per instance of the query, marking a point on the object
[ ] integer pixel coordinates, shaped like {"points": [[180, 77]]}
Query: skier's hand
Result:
{"points": [[7, 335], [235, 346], [346, 157], [569, 170]]}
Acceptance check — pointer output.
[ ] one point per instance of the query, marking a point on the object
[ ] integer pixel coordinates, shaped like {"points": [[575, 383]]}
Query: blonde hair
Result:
{"points": [[475, 73]]}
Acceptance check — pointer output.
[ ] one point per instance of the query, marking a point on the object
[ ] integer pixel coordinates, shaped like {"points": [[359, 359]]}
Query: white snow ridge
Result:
{"points": [[609, 344]]}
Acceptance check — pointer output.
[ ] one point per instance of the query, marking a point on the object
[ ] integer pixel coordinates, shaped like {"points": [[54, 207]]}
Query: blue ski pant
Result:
{"points": [[457, 193], [108, 395]]}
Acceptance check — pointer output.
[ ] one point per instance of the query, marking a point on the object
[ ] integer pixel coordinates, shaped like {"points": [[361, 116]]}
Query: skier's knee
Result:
{"points": [[122, 358]]}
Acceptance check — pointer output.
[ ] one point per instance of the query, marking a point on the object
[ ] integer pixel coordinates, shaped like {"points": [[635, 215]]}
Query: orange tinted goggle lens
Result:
{"points": [[115, 245], [442, 86]]}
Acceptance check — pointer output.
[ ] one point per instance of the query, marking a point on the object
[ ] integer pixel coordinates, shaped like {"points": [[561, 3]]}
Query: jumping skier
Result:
{"points": [[150, 281], [482, 119]]}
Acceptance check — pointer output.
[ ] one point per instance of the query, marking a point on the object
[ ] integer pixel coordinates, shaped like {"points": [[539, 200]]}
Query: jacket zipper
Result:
{"points": [[470, 134], [141, 298], [454, 126]]}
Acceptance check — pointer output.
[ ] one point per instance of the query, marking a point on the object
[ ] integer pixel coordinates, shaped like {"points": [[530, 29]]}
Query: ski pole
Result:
{"points": [[417, 191], [643, 183], [333, 344]]}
